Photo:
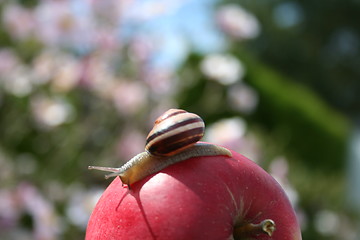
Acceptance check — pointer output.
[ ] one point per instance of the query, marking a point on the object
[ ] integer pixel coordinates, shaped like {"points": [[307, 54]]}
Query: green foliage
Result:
{"points": [[64, 149], [309, 127], [303, 124], [320, 51]]}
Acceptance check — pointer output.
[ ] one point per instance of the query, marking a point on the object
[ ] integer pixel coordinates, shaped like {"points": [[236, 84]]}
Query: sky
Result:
{"points": [[185, 25]]}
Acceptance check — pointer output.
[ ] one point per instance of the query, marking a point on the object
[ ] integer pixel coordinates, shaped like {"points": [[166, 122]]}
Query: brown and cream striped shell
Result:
{"points": [[174, 131]]}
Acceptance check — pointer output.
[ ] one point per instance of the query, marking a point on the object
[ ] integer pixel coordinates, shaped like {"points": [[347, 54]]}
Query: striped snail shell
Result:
{"points": [[174, 138], [174, 131]]}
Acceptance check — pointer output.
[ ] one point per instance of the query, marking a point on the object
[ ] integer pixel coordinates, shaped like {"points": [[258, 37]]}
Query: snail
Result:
{"points": [[174, 138]]}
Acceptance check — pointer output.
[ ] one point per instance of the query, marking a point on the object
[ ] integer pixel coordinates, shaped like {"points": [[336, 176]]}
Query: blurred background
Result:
{"points": [[81, 82]]}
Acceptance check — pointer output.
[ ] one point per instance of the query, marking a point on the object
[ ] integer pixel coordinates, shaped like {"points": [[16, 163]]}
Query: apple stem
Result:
{"points": [[250, 229]]}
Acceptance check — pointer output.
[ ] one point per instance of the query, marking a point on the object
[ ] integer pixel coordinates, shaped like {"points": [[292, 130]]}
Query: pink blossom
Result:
{"points": [[46, 222], [80, 204], [279, 169], [243, 98], [162, 82], [131, 142], [237, 22], [19, 21], [232, 133], [129, 97], [19, 81], [222, 68], [50, 112], [8, 61]]}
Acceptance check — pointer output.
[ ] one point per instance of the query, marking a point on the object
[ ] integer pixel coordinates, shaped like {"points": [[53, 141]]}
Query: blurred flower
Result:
{"points": [[9, 211], [54, 27], [129, 97], [222, 68], [230, 133], [64, 26], [237, 22], [147, 10], [19, 21], [67, 76], [279, 169], [46, 222], [51, 112], [130, 143], [107, 11], [83, 26], [59, 68], [45, 64], [8, 62], [97, 74], [243, 98], [226, 131], [327, 222], [141, 49], [335, 225], [19, 81], [161, 82], [81, 204]]}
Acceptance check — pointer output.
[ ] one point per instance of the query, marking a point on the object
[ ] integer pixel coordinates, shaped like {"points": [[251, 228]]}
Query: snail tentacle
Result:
{"points": [[106, 169]]}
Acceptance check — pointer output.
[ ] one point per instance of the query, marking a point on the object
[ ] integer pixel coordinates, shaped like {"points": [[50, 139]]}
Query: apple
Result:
{"points": [[215, 197]]}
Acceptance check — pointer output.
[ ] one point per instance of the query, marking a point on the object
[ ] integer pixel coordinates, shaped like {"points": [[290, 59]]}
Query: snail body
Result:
{"points": [[174, 138]]}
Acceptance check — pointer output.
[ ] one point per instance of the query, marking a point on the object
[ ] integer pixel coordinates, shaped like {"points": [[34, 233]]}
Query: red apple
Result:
{"points": [[200, 198]]}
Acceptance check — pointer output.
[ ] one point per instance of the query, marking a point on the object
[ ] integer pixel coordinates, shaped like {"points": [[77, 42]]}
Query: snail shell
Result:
{"points": [[173, 132], [173, 139]]}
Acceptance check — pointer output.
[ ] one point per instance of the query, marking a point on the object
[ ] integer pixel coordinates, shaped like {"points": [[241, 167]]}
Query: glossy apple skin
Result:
{"points": [[200, 198]]}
